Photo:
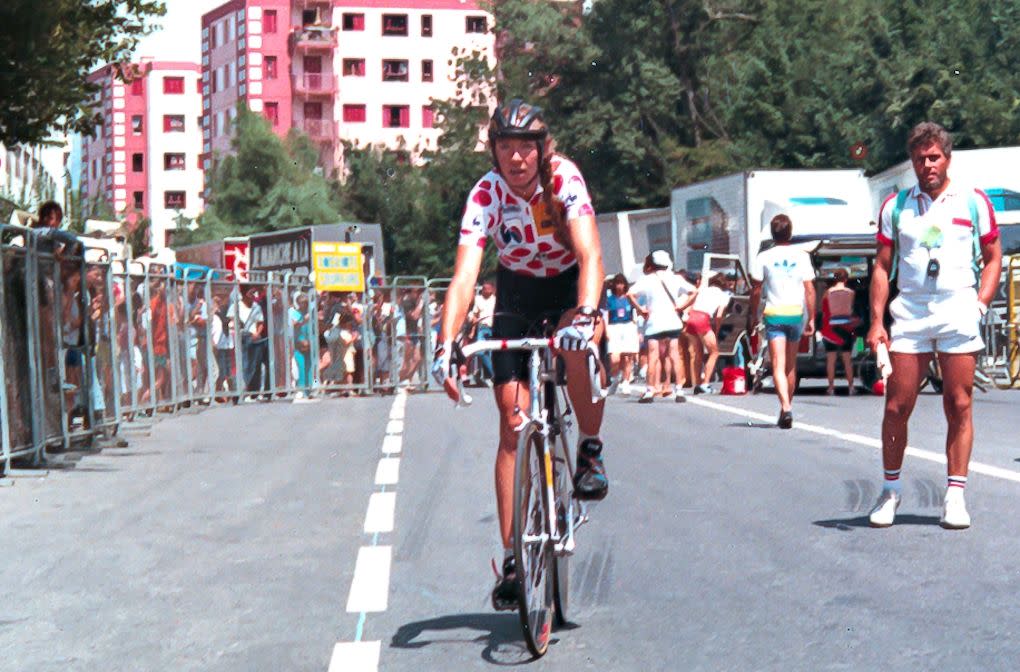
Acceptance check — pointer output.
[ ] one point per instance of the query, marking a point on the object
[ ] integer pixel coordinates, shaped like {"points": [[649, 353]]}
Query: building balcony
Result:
{"points": [[314, 85], [323, 5], [320, 130], [311, 39]]}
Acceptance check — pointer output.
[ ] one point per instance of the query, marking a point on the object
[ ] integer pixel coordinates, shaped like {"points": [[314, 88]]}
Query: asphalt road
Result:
{"points": [[229, 540]]}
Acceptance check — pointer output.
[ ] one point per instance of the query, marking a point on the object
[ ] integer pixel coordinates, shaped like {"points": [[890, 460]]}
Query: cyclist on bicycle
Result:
{"points": [[535, 206]]}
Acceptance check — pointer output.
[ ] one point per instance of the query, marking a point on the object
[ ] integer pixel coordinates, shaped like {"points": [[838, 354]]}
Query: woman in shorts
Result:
{"points": [[622, 333], [838, 324]]}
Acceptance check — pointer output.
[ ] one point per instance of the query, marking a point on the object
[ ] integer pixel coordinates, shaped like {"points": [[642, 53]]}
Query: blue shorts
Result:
{"points": [[790, 332]]}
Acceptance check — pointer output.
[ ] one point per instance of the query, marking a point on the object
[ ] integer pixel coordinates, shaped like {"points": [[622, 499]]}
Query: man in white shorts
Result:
{"points": [[932, 240]]}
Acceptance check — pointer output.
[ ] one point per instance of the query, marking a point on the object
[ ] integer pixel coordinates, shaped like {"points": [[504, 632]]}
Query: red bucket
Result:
{"points": [[733, 380]]}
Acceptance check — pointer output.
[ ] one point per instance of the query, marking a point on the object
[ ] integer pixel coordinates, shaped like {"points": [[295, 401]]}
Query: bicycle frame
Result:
{"points": [[542, 370]]}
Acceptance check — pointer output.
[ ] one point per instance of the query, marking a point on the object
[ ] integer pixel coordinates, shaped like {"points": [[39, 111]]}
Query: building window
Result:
{"points": [[139, 199], [173, 161], [394, 24], [137, 163], [269, 67], [173, 85], [231, 74], [174, 200], [269, 21], [396, 116], [426, 116], [173, 123], [354, 67], [476, 24], [426, 25], [136, 124], [353, 22], [426, 71], [394, 71], [198, 85], [272, 113], [138, 87], [354, 113]]}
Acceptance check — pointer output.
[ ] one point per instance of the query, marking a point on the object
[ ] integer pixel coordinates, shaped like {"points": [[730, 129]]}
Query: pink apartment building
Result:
{"points": [[145, 156], [365, 71]]}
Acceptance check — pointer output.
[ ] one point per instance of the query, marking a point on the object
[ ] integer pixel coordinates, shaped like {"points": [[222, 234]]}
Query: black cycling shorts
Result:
{"points": [[521, 303]]}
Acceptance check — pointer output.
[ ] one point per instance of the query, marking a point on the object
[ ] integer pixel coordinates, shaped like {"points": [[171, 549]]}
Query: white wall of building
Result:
{"points": [[160, 143]]}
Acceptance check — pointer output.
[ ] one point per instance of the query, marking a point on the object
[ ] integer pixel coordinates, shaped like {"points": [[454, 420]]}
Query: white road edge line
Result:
{"points": [[391, 445], [370, 587], [920, 453]]}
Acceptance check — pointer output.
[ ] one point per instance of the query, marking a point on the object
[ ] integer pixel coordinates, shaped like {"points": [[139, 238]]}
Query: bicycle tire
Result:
{"points": [[563, 487], [530, 518]]}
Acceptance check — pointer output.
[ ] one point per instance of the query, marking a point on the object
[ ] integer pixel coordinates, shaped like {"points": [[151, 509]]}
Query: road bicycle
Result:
{"points": [[546, 513]]}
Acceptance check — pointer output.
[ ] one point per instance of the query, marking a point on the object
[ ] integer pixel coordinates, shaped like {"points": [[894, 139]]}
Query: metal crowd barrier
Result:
{"points": [[88, 344]]}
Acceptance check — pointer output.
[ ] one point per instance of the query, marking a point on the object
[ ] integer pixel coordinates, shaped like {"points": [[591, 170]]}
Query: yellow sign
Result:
{"points": [[338, 267]]}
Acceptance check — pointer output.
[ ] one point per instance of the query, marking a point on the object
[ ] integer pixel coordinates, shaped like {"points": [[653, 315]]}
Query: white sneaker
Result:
{"points": [[954, 510], [625, 388], [885, 510], [678, 395], [648, 397]]}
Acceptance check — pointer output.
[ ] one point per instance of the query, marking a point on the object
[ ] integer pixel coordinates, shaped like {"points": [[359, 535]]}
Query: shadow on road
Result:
{"points": [[500, 636], [847, 524]]}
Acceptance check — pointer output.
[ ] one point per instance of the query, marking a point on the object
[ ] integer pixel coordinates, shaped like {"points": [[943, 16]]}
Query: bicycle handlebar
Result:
{"points": [[463, 353]]}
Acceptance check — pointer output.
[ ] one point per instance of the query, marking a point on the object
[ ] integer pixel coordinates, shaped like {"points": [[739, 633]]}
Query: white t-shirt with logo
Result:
{"points": [[662, 315], [941, 229], [783, 270]]}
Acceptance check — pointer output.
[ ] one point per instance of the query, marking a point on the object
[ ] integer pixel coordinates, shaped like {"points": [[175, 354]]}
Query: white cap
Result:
{"points": [[662, 258]]}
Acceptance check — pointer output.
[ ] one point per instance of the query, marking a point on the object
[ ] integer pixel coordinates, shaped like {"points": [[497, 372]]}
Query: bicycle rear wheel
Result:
{"points": [[532, 543]]}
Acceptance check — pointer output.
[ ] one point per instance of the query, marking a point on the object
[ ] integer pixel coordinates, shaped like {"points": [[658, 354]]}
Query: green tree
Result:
{"points": [[265, 185], [47, 50]]}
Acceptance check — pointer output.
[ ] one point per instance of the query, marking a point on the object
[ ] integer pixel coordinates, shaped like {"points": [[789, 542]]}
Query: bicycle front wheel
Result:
{"points": [[532, 542]]}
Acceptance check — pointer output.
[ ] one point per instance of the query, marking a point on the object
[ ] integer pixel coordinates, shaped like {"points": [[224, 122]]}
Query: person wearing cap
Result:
{"points": [[534, 205], [666, 296], [786, 276]]}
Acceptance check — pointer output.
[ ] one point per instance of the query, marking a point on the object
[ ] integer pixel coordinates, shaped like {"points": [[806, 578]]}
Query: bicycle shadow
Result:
{"points": [[500, 635], [848, 524]]}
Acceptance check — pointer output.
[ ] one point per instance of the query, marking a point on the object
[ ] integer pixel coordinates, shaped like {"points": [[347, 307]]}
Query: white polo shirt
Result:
{"points": [[941, 229]]}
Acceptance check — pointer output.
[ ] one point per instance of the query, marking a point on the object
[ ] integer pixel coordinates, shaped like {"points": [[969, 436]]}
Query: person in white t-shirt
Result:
{"points": [[707, 309], [786, 276], [666, 297], [939, 241]]}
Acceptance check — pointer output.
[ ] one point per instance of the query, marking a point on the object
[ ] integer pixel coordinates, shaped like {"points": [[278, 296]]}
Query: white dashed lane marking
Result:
{"points": [[388, 471], [371, 585], [355, 657], [920, 453], [391, 444], [379, 518]]}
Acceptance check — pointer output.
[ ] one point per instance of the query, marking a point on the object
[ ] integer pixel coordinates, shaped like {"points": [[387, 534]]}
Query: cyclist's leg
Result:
{"points": [[511, 397], [589, 415]]}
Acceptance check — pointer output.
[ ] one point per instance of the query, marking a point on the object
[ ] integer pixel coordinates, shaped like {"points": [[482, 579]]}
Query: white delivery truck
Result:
{"points": [[630, 236], [993, 170], [731, 214]]}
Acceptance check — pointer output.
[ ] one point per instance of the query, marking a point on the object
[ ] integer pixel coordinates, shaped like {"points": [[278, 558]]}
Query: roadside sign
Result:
{"points": [[338, 267]]}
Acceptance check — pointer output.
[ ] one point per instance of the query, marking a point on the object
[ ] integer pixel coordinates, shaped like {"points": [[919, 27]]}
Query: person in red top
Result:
{"points": [[838, 324], [535, 206]]}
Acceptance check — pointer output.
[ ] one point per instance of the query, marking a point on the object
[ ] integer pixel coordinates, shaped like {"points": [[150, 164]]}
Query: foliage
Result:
{"points": [[265, 185], [47, 50]]}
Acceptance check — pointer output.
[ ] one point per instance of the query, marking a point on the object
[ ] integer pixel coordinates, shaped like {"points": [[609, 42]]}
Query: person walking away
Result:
{"points": [[666, 296], [621, 333], [707, 309], [838, 324], [787, 277], [939, 242]]}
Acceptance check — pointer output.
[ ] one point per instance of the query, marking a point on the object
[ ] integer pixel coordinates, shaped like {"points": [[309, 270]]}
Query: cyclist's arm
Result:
{"points": [[461, 292], [584, 237]]}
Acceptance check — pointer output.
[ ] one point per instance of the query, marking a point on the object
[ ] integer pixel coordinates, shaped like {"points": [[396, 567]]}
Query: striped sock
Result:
{"points": [[957, 482], [892, 480]]}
